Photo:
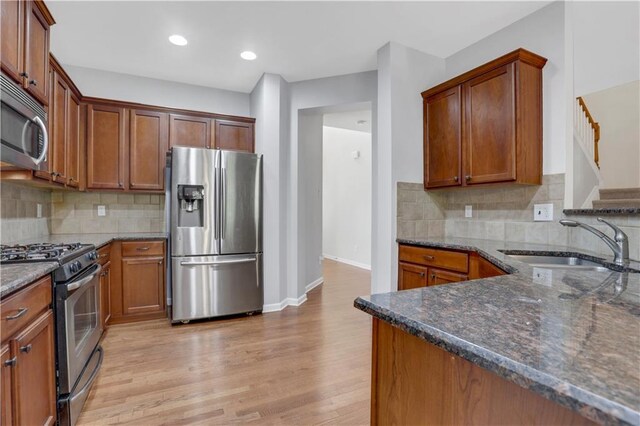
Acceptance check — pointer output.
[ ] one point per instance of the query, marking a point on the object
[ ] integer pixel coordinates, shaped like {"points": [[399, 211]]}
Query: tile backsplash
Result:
{"points": [[77, 212], [19, 212], [502, 213]]}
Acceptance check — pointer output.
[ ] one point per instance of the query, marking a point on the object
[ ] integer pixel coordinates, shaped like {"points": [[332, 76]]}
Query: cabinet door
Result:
{"points": [[411, 276], [490, 127], [443, 139], [72, 149], [105, 293], [148, 143], [191, 131], [438, 277], [58, 116], [7, 365], [36, 55], [11, 38], [142, 285], [234, 135], [35, 373], [106, 135]]}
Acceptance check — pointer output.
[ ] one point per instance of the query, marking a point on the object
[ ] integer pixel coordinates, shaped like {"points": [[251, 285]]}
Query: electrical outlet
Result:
{"points": [[39, 210], [543, 212], [102, 210], [468, 211]]}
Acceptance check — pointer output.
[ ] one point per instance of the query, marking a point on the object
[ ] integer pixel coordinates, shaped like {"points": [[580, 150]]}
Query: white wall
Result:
{"points": [[542, 32], [606, 46], [269, 104], [346, 195], [125, 87], [403, 73], [617, 110], [304, 250]]}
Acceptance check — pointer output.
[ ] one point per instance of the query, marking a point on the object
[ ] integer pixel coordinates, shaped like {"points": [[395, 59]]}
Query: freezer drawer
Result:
{"points": [[212, 286]]}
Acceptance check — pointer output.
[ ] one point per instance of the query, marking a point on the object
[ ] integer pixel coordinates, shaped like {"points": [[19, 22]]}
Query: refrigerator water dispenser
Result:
{"points": [[190, 198]]}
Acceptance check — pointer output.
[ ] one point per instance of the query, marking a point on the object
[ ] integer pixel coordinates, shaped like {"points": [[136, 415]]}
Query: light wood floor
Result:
{"points": [[301, 366]]}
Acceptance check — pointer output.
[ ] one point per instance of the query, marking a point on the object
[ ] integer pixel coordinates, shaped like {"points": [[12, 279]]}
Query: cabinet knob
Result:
{"points": [[26, 349], [120, 184], [11, 362], [433, 276], [427, 257], [456, 178], [33, 82], [422, 274], [468, 177], [24, 74]]}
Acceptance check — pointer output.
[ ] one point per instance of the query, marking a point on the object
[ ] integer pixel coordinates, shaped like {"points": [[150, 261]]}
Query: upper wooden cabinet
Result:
{"points": [[190, 131], [106, 141], [234, 135], [148, 144], [485, 126], [25, 45]]}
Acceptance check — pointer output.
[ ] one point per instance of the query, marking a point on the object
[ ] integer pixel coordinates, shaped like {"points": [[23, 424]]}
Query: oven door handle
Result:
{"points": [[86, 280], [92, 378]]}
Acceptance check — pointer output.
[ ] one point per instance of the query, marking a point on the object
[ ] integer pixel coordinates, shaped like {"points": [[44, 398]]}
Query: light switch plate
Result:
{"points": [[543, 212], [102, 210], [468, 211], [39, 210]]}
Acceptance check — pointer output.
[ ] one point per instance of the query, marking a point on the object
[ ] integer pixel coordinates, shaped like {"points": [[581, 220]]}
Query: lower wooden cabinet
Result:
{"points": [[137, 281], [426, 266], [28, 357]]}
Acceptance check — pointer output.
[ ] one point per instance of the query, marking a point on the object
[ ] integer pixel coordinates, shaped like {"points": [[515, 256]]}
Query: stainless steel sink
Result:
{"points": [[559, 262]]}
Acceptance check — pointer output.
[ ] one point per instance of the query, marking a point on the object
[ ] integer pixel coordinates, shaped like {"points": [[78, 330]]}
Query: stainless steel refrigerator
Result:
{"points": [[215, 215]]}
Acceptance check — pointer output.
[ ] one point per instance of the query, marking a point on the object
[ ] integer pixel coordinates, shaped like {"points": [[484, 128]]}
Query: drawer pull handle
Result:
{"points": [[26, 349], [421, 274], [11, 362], [426, 256], [142, 248], [455, 178], [433, 276], [103, 255], [20, 313]]}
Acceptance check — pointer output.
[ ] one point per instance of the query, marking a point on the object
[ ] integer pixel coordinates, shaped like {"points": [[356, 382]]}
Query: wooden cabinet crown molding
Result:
{"points": [[45, 11], [186, 112], [521, 54], [58, 69]]}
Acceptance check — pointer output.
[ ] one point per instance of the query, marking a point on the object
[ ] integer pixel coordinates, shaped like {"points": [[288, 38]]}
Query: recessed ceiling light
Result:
{"points": [[248, 55], [178, 40]]}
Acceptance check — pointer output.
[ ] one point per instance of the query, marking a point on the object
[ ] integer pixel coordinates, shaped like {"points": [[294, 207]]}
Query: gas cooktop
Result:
{"points": [[42, 252]]}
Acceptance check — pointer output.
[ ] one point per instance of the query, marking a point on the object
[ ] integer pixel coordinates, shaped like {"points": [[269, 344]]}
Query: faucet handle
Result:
{"points": [[620, 235]]}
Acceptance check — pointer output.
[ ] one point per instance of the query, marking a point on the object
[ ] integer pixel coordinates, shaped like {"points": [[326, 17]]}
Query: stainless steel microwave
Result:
{"points": [[25, 141]]}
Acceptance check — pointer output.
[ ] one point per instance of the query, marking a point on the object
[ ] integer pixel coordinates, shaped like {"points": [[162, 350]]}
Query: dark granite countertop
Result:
{"points": [[13, 277], [571, 336], [16, 276], [98, 240], [603, 211]]}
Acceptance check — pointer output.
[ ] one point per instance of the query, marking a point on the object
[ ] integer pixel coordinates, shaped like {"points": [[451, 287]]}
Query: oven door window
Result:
{"points": [[19, 132], [85, 318]]}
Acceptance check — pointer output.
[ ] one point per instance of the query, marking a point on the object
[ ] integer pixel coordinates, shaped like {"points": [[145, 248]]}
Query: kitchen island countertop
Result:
{"points": [[571, 336]]}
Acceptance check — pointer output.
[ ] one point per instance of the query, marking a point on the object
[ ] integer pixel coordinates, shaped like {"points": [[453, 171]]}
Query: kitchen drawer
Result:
{"points": [[104, 254], [142, 248], [21, 308], [447, 259]]}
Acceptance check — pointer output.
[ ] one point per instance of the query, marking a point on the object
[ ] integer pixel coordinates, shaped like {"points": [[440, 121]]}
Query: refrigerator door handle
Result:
{"points": [[216, 196], [223, 201], [218, 262]]}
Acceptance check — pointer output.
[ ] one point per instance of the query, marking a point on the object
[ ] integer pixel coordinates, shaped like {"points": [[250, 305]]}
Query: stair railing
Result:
{"points": [[588, 129]]}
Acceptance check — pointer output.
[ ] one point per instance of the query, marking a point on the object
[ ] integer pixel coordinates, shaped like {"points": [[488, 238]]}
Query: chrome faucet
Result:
{"points": [[619, 243]]}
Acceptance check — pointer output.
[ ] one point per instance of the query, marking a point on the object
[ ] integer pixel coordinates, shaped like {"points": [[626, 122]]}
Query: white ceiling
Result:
{"points": [[349, 120], [299, 40]]}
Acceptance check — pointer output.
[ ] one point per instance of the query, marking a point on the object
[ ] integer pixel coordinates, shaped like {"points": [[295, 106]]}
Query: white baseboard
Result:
{"points": [[347, 262], [314, 284], [289, 301]]}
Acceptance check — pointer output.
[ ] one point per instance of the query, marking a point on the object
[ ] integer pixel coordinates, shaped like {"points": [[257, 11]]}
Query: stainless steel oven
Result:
{"points": [[24, 128], [78, 328]]}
